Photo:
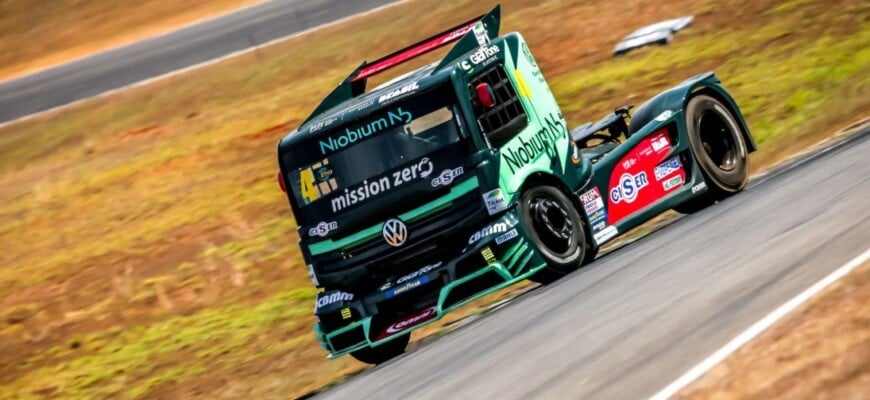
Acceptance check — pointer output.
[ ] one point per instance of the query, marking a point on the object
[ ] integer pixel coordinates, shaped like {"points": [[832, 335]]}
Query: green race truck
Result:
{"points": [[461, 178]]}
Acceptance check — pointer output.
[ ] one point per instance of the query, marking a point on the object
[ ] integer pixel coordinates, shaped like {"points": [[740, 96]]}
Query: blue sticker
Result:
{"points": [[407, 287]]}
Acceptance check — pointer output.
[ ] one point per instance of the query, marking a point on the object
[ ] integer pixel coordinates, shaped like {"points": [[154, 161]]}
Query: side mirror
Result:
{"points": [[485, 95]]}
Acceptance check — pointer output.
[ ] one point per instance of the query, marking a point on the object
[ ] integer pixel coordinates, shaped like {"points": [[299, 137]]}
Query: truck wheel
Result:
{"points": [[556, 230], [719, 148], [384, 352]]}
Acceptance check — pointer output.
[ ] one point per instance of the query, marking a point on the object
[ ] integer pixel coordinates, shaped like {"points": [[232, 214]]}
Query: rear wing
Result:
{"points": [[413, 51], [470, 35]]}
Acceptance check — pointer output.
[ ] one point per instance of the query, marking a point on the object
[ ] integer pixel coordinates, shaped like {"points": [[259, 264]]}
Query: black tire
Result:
{"points": [[590, 255], [555, 229], [719, 147], [384, 352]]}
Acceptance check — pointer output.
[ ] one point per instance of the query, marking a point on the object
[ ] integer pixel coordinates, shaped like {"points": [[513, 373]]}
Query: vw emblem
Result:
{"points": [[395, 232]]}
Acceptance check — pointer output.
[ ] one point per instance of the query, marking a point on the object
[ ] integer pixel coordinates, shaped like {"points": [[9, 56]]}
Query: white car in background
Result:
{"points": [[660, 33]]}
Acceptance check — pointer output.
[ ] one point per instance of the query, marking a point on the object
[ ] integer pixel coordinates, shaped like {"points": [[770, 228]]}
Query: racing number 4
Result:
{"points": [[306, 184]]}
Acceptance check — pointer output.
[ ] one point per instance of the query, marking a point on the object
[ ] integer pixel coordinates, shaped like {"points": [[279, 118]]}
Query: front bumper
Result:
{"points": [[496, 259]]}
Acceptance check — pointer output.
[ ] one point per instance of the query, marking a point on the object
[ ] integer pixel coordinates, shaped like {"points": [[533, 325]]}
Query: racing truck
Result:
{"points": [[461, 178]]}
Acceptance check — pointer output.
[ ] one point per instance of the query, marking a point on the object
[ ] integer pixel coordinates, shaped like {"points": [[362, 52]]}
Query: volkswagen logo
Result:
{"points": [[395, 232]]}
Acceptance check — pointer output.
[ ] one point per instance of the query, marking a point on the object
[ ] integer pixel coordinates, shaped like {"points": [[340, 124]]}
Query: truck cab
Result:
{"points": [[447, 184]]}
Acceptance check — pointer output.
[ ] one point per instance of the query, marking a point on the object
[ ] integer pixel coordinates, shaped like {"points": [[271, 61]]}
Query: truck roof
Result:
{"points": [[349, 100]]}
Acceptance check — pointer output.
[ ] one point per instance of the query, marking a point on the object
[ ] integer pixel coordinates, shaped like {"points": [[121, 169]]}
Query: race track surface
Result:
{"points": [[179, 49], [633, 321]]}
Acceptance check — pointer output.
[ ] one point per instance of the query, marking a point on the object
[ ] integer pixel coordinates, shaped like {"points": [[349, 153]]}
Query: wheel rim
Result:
{"points": [[717, 139], [552, 224]]}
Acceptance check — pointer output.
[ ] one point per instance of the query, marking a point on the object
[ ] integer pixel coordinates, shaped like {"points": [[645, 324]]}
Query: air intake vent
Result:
{"points": [[507, 117]]}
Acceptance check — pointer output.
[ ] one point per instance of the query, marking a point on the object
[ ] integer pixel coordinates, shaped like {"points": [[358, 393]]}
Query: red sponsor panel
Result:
{"points": [[407, 322], [643, 176]]}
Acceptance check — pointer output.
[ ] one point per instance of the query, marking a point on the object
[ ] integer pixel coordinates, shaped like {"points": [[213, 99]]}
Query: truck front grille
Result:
{"points": [[432, 239]]}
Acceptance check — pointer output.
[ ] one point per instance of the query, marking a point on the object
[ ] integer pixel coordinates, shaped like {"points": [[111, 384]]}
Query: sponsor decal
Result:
{"points": [[671, 183], [506, 236], [699, 187], [628, 187], [322, 124], [412, 275], [351, 136], [664, 115], [480, 34], [495, 201], [528, 54], [498, 227], [409, 321], [666, 168], [537, 74], [520, 152], [322, 229], [404, 288], [316, 181], [353, 109], [447, 176], [481, 56], [629, 190], [378, 186], [395, 232], [593, 204], [660, 143], [411, 281], [598, 215], [410, 88], [599, 226], [605, 235], [323, 173], [329, 298], [592, 201], [419, 272]]}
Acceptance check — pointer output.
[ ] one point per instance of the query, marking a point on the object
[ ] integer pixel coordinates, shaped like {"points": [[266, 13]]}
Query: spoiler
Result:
{"points": [[413, 51], [470, 35]]}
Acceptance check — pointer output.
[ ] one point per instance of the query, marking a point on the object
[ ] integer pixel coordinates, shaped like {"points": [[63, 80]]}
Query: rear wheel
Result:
{"points": [[556, 230], [718, 146], [384, 352]]}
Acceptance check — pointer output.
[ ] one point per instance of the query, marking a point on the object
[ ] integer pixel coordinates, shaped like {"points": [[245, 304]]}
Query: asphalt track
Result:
{"points": [[633, 321], [185, 47]]}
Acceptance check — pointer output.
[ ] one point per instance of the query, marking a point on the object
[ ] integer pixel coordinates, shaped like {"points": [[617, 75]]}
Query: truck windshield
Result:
{"points": [[367, 158]]}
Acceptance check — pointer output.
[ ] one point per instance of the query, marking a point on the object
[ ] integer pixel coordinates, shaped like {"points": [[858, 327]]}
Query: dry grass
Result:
{"points": [[148, 252], [36, 35], [821, 351]]}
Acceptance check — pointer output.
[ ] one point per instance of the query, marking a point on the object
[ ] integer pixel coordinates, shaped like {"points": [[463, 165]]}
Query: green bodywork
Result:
{"points": [[540, 153]]}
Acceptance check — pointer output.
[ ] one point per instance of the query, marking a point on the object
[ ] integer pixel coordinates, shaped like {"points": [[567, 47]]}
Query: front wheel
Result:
{"points": [[555, 229], [384, 352], [718, 146]]}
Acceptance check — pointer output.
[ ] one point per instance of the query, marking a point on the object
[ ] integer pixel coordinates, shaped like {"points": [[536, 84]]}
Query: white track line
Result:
{"points": [[200, 65], [757, 328]]}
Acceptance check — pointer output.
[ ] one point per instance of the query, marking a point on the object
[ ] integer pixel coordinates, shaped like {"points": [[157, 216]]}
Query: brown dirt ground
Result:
{"points": [[822, 351]]}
